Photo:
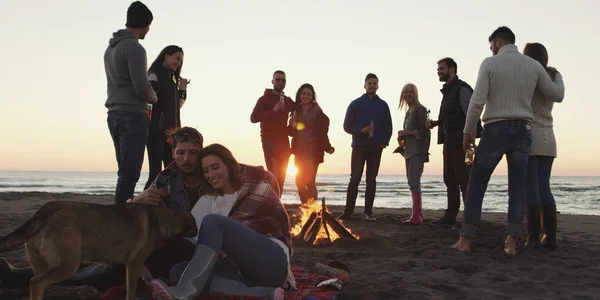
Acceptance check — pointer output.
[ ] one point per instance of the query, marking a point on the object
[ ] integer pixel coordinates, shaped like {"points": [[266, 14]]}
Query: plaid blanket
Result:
{"points": [[306, 281], [259, 206]]}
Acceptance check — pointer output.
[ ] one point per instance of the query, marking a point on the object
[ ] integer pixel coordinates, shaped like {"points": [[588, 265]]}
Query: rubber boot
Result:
{"points": [[192, 280], [416, 217], [533, 221], [549, 215]]}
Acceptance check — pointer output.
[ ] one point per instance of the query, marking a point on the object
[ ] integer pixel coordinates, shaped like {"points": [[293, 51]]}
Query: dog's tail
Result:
{"points": [[20, 236]]}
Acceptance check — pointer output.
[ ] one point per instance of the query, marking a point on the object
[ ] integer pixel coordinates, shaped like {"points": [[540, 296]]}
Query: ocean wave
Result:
{"points": [[31, 186]]}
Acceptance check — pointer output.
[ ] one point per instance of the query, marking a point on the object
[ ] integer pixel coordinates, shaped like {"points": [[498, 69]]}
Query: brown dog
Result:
{"points": [[63, 234]]}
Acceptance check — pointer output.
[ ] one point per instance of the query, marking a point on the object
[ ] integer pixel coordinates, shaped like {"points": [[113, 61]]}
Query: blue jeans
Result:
{"points": [[259, 260], [129, 132], [277, 156], [513, 138], [371, 155], [539, 169]]}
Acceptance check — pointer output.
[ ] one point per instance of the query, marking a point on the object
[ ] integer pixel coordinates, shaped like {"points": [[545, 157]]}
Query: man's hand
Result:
{"points": [[154, 99], [150, 196], [402, 133], [367, 130], [429, 124], [467, 142], [279, 106]]}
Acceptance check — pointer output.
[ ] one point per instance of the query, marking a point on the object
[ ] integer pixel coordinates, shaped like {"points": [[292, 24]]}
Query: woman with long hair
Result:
{"points": [[165, 77], [415, 137], [308, 128], [244, 243], [540, 201]]}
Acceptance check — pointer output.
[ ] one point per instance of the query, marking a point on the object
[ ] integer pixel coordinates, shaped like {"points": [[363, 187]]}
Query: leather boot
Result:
{"points": [[533, 221], [102, 277], [549, 214], [416, 217], [12, 277], [192, 280]]}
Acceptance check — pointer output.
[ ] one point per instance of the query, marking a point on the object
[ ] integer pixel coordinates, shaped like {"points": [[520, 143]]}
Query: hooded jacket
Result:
{"points": [[273, 125], [128, 88]]}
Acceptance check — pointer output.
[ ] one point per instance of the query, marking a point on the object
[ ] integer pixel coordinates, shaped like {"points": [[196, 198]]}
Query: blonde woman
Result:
{"points": [[416, 138]]}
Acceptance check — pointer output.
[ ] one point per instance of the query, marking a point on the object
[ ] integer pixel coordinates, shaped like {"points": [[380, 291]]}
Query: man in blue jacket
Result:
{"points": [[369, 121]]}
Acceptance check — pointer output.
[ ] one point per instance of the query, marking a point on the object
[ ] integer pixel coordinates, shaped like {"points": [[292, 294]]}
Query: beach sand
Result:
{"points": [[396, 261]]}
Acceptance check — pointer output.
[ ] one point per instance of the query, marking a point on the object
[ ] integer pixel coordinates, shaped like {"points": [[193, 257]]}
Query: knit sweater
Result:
{"points": [[506, 84], [542, 134]]}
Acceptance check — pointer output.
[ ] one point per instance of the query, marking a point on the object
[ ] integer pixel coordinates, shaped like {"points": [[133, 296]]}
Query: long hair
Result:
{"points": [[298, 106], [538, 52], [403, 101], [160, 59], [233, 167]]}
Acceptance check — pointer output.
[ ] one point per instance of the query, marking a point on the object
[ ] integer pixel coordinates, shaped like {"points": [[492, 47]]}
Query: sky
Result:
{"points": [[53, 89]]}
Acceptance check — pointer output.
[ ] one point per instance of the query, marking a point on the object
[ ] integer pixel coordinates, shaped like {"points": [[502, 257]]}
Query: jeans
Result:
{"points": [[277, 156], [414, 171], [456, 178], [372, 156], [306, 178], [539, 169], [129, 132], [159, 154], [513, 138]]}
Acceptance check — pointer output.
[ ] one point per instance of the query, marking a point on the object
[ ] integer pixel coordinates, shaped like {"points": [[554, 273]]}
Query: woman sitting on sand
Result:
{"points": [[308, 127], [540, 201], [415, 138], [243, 243]]}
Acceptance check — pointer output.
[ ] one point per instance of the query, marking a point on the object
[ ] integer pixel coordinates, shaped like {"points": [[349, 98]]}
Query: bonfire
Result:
{"points": [[317, 226]]}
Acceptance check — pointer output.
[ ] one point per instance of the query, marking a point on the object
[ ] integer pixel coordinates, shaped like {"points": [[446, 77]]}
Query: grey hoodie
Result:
{"points": [[125, 64]]}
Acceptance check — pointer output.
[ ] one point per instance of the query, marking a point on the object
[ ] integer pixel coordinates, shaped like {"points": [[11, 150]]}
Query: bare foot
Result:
{"points": [[463, 244], [510, 246]]}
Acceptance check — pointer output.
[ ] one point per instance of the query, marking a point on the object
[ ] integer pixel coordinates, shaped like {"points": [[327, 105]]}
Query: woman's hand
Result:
{"points": [[330, 150]]}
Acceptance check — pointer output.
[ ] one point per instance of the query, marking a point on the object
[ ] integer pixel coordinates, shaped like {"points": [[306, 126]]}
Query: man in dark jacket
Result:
{"points": [[369, 121], [272, 111], [451, 121], [129, 93]]}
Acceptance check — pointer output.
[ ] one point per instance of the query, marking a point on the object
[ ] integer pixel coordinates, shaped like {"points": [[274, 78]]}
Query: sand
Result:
{"points": [[396, 261]]}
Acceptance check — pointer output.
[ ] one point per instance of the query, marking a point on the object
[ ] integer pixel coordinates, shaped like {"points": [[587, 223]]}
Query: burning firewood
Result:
{"points": [[317, 226]]}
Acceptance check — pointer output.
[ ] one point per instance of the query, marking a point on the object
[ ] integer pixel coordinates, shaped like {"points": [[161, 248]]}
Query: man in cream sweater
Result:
{"points": [[505, 84]]}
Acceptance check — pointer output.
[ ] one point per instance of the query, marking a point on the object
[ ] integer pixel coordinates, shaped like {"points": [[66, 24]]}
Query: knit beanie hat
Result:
{"points": [[138, 15]]}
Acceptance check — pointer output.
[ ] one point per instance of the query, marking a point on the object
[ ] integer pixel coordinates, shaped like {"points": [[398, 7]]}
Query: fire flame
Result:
{"points": [[306, 210]]}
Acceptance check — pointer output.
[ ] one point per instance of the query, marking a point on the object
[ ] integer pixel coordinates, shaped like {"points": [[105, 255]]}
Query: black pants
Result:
{"points": [[361, 155], [456, 178], [159, 153]]}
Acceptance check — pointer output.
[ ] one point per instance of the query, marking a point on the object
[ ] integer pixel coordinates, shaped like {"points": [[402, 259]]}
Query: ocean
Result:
{"points": [[574, 195]]}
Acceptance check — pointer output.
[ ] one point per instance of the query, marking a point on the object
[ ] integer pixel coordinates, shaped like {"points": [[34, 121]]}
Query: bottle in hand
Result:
{"points": [[372, 132], [469, 155]]}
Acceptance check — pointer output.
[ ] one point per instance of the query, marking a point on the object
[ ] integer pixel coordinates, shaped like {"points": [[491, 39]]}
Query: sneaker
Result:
{"points": [[368, 217], [457, 225], [442, 222], [345, 216]]}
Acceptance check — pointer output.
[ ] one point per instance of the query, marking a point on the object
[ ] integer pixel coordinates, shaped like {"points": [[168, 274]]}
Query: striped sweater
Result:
{"points": [[505, 86]]}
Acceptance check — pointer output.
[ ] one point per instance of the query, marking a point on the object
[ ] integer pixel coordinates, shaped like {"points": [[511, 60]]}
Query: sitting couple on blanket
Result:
{"points": [[243, 245]]}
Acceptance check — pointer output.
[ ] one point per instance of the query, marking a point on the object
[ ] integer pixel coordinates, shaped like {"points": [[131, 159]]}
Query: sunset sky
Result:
{"points": [[53, 87]]}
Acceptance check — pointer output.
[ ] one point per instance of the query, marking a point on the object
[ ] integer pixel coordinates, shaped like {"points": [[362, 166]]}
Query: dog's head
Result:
{"points": [[176, 222]]}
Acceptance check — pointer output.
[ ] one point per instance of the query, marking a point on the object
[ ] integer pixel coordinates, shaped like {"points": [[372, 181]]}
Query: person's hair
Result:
{"points": [[371, 76], [298, 105], [538, 52], [504, 33], [403, 102], [450, 63], [160, 59], [185, 134], [233, 167], [278, 72]]}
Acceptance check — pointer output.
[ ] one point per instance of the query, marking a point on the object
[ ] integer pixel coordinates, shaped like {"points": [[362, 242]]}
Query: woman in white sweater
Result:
{"points": [[540, 201]]}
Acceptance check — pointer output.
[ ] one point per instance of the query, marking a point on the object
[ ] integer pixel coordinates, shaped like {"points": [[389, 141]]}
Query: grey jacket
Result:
{"points": [[125, 64], [418, 143]]}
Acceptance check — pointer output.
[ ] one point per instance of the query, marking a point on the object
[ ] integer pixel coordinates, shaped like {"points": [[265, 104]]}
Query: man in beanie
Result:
{"points": [[129, 93]]}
